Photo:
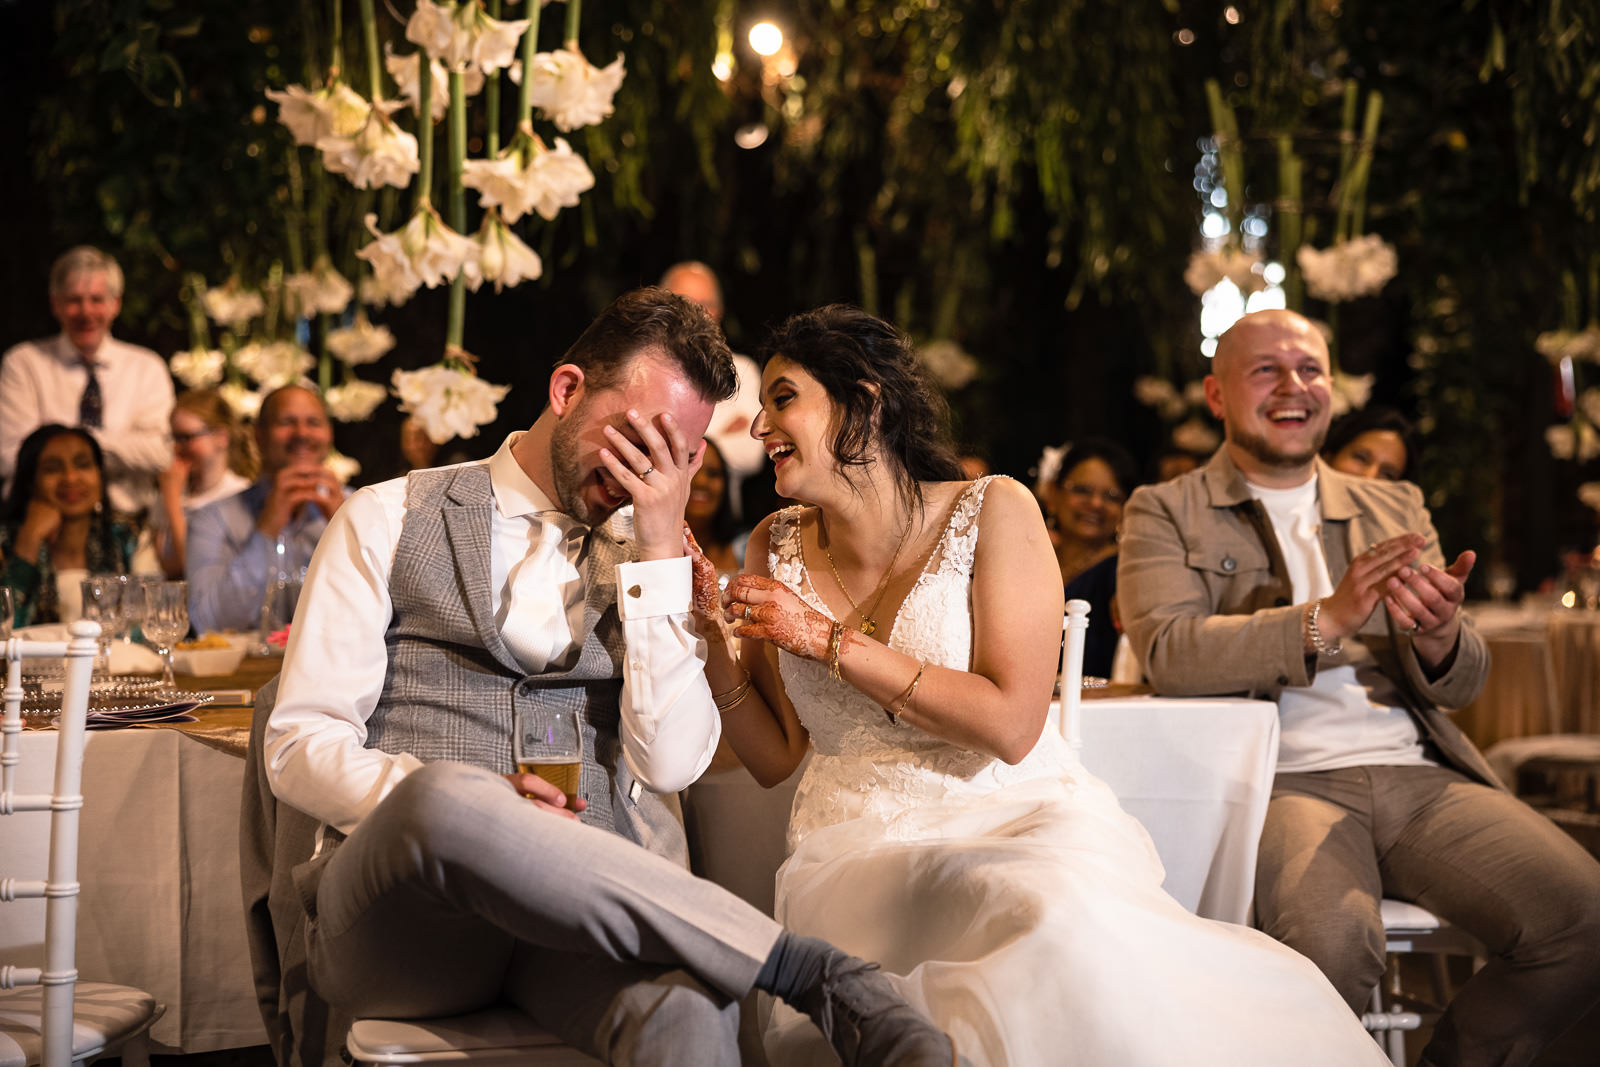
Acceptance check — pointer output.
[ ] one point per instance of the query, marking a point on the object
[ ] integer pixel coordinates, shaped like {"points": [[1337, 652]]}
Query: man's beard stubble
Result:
{"points": [[1256, 445]]}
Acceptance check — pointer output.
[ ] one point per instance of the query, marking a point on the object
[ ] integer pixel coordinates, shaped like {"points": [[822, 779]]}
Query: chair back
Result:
{"points": [[1074, 627], [59, 889]]}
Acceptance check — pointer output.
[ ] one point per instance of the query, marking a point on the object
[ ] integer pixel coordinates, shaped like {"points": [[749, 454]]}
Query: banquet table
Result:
{"points": [[160, 906], [1196, 772], [1544, 676]]}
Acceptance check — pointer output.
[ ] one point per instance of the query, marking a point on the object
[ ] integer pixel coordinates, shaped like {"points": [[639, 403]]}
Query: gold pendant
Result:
{"points": [[869, 627]]}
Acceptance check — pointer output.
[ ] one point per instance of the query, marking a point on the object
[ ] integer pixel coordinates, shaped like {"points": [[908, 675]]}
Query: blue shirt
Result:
{"points": [[228, 558]]}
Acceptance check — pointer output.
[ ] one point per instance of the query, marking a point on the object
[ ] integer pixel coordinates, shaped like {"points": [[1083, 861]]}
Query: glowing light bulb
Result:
{"points": [[766, 38]]}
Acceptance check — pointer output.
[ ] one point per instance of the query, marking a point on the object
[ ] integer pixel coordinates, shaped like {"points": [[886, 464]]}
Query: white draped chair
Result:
{"points": [[47, 1016]]}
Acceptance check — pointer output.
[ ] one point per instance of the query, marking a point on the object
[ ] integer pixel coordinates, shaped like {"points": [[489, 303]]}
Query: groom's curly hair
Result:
{"points": [[884, 400], [653, 320]]}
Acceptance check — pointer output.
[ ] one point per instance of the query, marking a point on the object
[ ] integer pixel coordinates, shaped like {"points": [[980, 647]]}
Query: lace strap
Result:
{"points": [[958, 546], [784, 557]]}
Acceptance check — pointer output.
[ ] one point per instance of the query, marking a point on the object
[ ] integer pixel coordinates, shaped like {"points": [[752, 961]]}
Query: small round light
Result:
{"points": [[752, 136], [766, 38], [722, 66]]}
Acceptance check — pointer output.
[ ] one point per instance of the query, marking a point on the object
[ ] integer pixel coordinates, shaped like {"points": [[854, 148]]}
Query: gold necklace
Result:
{"points": [[869, 625]]}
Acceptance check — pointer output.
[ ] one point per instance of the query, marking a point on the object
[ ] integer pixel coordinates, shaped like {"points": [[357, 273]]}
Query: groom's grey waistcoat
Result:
{"points": [[454, 690]]}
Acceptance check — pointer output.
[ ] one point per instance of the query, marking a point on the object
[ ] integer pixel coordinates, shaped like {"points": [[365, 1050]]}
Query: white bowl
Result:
{"points": [[207, 662]]}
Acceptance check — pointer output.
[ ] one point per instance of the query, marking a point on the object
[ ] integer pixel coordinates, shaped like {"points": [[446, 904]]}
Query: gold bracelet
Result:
{"points": [[835, 639], [718, 698], [905, 701], [738, 698]]}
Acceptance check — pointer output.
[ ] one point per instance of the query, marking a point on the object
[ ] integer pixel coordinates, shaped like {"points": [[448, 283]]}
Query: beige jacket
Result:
{"points": [[1206, 599]]}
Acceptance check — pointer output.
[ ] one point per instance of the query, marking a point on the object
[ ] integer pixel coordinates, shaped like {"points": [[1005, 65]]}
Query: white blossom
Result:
{"points": [[1206, 269], [448, 401], [336, 111], [529, 177], [343, 467], [1160, 394], [354, 400], [360, 342], [501, 257], [1197, 436], [232, 306], [1350, 391], [1588, 442], [1556, 345], [948, 363], [274, 363], [244, 401], [403, 69], [1194, 393], [379, 153], [437, 252], [1589, 493], [1589, 404], [320, 290], [198, 367], [463, 36], [570, 91], [1350, 269], [1563, 443], [394, 278], [1049, 465]]}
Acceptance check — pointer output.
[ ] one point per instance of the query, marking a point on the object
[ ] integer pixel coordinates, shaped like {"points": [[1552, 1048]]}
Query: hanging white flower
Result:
{"points": [[1562, 441], [242, 400], [1589, 493], [1197, 436], [527, 176], [198, 368], [1049, 465], [403, 69], [232, 306], [335, 111], [394, 278], [570, 91], [272, 364], [1160, 394], [1350, 391], [1556, 345], [360, 342], [1350, 269], [343, 467], [1194, 393], [1206, 269], [437, 252], [447, 400], [320, 290], [1589, 404], [948, 363], [354, 400], [501, 257], [1588, 442], [463, 35], [379, 153]]}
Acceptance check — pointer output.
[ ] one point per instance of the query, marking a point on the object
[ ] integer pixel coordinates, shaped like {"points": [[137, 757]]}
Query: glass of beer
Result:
{"points": [[550, 745]]}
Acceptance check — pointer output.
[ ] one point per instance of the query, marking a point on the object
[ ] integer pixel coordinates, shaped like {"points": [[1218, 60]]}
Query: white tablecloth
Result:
{"points": [[161, 908], [1197, 773]]}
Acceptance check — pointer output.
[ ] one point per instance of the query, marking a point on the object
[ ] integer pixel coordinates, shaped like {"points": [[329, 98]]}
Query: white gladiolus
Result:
{"points": [[343, 467], [951, 366], [336, 111], [570, 91], [379, 153], [318, 291], [242, 400], [354, 400], [1197, 436], [529, 177], [232, 306], [1350, 269], [1206, 269], [198, 368], [502, 258], [274, 363], [463, 36], [1556, 345], [1589, 493], [1350, 391], [361, 342], [448, 401], [403, 69]]}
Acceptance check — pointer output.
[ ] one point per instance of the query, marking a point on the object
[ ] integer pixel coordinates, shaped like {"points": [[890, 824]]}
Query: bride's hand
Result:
{"points": [[766, 610], [705, 594]]}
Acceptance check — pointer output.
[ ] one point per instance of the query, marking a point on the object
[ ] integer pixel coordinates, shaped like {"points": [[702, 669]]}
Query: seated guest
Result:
{"points": [[710, 516], [1375, 442], [1271, 574], [1084, 511], [83, 376], [231, 540], [212, 460], [451, 611], [56, 529], [1173, 462]]}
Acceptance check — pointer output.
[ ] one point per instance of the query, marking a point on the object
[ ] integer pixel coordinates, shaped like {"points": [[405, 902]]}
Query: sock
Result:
{"points": [[795, 967]]}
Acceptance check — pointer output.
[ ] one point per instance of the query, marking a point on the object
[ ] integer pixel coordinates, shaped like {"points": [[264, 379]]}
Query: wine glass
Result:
{"points": [[166, 620], [549, 743], [102, 603], [7, 611]]}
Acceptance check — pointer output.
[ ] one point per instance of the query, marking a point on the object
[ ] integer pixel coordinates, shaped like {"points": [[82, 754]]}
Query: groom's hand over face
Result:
{"points": [[655, 468]]}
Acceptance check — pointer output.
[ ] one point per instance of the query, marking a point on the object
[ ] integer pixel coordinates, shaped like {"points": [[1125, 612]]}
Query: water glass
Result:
{"points": [[102, 603], [8, 610], [166, 620], [549, 743]]}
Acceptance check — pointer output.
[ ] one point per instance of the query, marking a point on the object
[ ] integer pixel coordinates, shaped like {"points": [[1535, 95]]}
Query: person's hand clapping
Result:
{"points": [[1426, 602], [1347, 609], [293, 488], [546, 796], [765, 609], [657, 477]]}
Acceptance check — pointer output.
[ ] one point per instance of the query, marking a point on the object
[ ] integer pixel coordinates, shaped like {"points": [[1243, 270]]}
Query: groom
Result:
{"points": [[464, 603]]}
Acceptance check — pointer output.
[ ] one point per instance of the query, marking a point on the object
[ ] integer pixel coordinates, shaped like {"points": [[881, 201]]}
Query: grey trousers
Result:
{"points": [[1336, 842], [456, 893]]}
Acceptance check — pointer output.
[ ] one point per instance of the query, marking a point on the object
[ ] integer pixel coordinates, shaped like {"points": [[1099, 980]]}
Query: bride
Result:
{"points": [[904, 625]]}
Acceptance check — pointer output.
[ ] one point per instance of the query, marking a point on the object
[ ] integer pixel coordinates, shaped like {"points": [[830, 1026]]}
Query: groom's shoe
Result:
{"points": [[869, 1024]]}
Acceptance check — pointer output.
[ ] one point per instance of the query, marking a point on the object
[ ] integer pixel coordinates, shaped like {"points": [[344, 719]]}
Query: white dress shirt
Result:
{"points": [[336, 663], [42, 382]]}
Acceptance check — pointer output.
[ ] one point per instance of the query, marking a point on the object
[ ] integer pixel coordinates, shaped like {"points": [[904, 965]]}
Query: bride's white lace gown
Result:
{"points": [[1023, 907]]}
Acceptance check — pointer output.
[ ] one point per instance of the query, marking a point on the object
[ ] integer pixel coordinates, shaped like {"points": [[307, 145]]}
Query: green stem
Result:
{"points": [[530, 48], [1226, 130], [199, 331], [455, 324], [325, 358], [335, 39], [491, 99], [424, 129], [574, 13], [1290, 216], [308, 30], [274, 290], [295, 217], [319, 211], [369, 35]]}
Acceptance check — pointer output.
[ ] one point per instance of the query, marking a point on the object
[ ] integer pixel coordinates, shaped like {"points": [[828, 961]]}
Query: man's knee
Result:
{"points": [[671, 1020], [444, 806], [1346, 944]]}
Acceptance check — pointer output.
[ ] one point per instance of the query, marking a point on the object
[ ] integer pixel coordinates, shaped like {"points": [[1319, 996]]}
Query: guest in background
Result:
{"points": [[416, 446], [230, 541], [1375, 442], [1173, 462], [212, 459], [709, 514], [120, 393], [56, 527], [1084, 510]]}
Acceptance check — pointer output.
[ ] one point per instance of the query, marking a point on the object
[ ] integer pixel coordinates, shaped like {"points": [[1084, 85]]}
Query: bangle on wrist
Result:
{"points": [[734, 697], [905, 699], [1313, 632], [835, 639]]}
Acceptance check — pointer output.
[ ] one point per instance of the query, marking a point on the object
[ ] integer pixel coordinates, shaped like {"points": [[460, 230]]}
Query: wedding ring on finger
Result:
{"points": [[646, 472]]}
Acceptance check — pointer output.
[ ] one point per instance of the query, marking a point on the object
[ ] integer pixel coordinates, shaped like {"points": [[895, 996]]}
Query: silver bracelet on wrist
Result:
{"points": [[1314, 633]]}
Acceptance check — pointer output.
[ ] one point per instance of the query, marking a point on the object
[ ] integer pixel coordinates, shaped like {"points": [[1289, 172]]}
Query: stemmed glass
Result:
{"points": [[102, 603], [550, 745], [166, 620], [7, 611]]}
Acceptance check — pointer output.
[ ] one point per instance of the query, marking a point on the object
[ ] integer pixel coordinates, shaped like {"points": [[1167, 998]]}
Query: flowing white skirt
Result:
{"points": [[1030, 923]]}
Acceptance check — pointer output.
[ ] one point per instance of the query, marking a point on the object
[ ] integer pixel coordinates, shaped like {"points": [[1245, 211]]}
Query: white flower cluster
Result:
{"points": [[463, 36], [1350, 391], [244, 401], [354, 400], [1197, 436], [311, 115], [527, 176], [572, 92], [403, 69], [1350, 269], [360, 342], [232, 307], [502, 258], [424, 252], [1589, 493], [448, 401], [198, 368], [1160, 394], [274, 363], [1577, 345], [318, 291], [379, 153], [1206, 269], [949, 364], [343, 467], [1575, 440]]}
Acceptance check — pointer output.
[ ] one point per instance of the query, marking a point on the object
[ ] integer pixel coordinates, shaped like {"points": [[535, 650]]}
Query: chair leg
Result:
{"points": [[1394, 1041], [135, 1052]]}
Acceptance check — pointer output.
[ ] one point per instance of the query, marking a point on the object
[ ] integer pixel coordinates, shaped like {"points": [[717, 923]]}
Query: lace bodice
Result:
{"points": [[864, 764]]}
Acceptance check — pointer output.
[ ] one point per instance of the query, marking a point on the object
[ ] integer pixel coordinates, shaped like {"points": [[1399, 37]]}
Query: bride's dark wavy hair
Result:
{"points": [[848, 351]]}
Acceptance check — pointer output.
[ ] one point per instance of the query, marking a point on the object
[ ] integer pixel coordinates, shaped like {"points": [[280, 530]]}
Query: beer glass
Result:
{"points": [[549, 744]]}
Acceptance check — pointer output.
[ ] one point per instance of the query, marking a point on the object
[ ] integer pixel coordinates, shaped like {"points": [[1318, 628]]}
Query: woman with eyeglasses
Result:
{"points": [[1084, 513], [212, 459]]}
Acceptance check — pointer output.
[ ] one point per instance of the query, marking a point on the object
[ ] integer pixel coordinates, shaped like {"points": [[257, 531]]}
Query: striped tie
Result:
{"points": [[91, 408]]}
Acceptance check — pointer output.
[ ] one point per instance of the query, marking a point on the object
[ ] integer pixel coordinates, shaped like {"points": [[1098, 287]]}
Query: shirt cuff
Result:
{"points": [[649, 588]]}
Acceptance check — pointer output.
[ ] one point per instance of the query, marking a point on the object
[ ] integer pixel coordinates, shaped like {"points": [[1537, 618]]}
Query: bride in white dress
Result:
{"points": [[905, 627]]}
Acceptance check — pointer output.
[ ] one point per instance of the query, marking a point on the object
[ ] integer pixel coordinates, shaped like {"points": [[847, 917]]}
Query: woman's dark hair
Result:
{"points": [[28, 468], [881, 393], [724, 524], [1348, 427], [1113, 455]]}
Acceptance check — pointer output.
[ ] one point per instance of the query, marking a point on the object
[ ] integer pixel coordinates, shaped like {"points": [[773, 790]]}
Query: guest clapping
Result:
{"points": [[56, 527], [296, 495], [212, 460]]}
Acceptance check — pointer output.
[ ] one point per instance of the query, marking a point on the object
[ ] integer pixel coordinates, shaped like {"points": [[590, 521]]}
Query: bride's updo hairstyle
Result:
{"points": [[849, 352]]}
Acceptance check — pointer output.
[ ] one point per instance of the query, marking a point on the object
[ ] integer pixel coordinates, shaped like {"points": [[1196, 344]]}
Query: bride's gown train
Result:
{"points": [[1022, 905]]}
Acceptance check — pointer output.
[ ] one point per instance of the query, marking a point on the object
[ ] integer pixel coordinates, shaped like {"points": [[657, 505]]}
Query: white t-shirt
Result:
{"points": [[1334, 722]]}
